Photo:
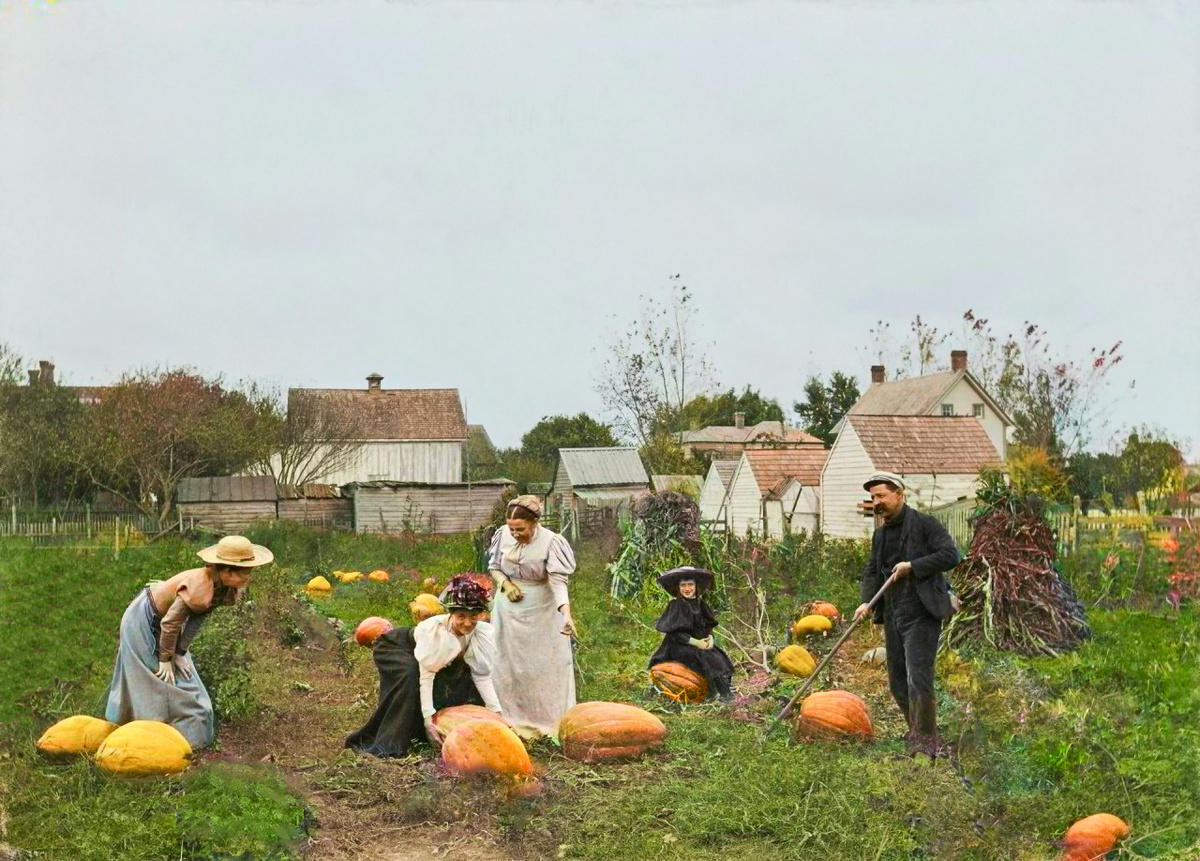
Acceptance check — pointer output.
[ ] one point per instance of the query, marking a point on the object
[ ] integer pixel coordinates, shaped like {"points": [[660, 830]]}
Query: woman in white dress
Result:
{"points": [[534, 670]]}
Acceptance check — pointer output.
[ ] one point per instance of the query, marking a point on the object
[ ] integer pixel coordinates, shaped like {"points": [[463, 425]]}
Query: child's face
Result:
{"points": [[687, 588]]}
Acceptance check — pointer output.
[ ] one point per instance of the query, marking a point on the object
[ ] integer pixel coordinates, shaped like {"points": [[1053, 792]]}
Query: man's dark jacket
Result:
{"points": [[928, 546]]}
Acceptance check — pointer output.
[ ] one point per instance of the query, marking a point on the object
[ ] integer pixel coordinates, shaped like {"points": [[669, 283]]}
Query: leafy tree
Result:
{"points": [[825, 404], [1095, 478], [1153, 465], [11, 365], [155, 428], [544, 439], [37, 425], [662, 455], [523, 469], [655, 367], [1034, 473], [481, 460], [721, 409]]}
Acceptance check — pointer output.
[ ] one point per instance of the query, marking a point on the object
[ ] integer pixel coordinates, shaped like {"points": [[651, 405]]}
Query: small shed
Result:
{"points": [[689, 485], [714, 495], [940, 458], [399, 506], [226, 503], [601, 480], [319, 505], [775, 491]]}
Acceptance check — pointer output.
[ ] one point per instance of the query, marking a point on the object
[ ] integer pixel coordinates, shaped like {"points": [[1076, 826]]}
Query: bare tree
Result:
{"points": [[313, 440], [655, 366]]}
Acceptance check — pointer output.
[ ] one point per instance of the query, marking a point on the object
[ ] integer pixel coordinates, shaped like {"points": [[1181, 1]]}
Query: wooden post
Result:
{"points": [[117, 538], [88, 518]]}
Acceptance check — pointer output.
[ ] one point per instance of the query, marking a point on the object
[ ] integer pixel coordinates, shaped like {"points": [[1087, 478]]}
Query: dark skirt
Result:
{"points": [[711, 663], [397, 721]]}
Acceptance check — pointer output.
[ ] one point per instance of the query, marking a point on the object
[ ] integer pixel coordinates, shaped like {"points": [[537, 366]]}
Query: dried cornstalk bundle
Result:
{"points": [[1012, 596]]}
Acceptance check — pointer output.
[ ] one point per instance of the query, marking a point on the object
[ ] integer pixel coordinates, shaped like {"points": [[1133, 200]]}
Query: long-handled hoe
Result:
{"points": [[808, 683]]}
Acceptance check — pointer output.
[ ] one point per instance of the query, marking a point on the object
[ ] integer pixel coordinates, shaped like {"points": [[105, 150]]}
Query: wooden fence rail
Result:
{"points": [[1068, 526]]}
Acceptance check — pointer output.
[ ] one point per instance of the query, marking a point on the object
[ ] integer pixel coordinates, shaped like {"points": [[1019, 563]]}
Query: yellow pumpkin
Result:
{"points": [[318, 586], [77, 734], [814, 624], [424, 606], [348, 576], [144, 747], [795, 661]]}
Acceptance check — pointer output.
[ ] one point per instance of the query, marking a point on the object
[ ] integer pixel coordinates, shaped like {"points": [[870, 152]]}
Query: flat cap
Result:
{"points": [[889, 477]]}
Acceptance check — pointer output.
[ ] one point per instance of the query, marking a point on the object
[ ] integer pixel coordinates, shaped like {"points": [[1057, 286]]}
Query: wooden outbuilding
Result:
{"points": [[226, 503], [776, 491], [592, 487], [714, 494], [398, 506]]}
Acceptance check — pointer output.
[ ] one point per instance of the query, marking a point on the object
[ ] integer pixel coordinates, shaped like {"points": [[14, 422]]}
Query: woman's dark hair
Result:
{"points": [[520, 512], [219, 567]]}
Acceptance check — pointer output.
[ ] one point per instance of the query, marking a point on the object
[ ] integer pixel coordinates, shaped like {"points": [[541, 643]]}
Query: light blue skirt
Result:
{"points": [[137, 694]]}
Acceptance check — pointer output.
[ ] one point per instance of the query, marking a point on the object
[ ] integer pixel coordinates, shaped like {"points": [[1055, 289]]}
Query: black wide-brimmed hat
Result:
{"points": [[670, 580]]}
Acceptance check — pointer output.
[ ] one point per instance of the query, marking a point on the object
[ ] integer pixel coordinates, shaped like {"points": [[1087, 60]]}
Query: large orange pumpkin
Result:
{"points": [[1092, 837], [452, 717], [485, 747], [834, 713], [678, 682], [824, 608], [370, 628], [598, 731], [379, 576]]}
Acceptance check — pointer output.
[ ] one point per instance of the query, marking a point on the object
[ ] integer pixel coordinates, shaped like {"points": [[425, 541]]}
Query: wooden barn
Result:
{"points": [[409, 435], [227, 503], [775, 491], [592, 486], [939, 457], [399, 506], [714, 494]]}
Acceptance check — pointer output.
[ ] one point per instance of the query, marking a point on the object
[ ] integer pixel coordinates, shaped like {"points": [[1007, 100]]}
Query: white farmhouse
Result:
{"points": [[939, 457], [774, 487]]}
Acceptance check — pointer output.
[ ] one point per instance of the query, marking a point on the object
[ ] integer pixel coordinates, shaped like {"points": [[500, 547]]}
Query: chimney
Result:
{"points": [[33, 376], [878, 375], [958, 360], [47, 375], [374, 383], [739, 420]]}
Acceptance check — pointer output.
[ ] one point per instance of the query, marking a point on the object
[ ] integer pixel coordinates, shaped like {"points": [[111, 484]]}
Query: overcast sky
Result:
{"points": [[462, 194]]}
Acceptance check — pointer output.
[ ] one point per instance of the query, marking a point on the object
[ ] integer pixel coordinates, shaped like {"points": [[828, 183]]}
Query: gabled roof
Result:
{"points": [[772, 465], [915, 445], [763, 432], [725, 470], [686, 483], [598, 467], [393, 414], [919, 396], [228, 488]]}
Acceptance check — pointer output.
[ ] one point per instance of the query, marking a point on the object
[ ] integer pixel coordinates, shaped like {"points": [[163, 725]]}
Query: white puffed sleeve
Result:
{"points": [[560, 564], [479, 657], [494, 551]]}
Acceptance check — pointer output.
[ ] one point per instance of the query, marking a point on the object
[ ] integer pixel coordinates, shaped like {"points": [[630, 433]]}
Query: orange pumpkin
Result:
{"points": [[485, 747], [824, 608], [678, 682], [828, 714], [370, 628], [1092, 837], [379, 576], [599, 731], [452, 717]]}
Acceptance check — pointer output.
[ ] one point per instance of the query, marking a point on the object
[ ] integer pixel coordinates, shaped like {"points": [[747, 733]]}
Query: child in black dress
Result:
{"points": [[687, 625]]}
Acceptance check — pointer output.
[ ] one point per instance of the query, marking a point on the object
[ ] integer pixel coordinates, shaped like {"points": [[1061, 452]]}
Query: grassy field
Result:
{"points": [[1041, 742]]}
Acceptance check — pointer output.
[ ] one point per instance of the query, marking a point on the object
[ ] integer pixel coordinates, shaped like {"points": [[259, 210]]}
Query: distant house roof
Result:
{"points": [[763, 432], [918, 396], [393, 414], [232, 488], [597, 467], [725, 470], [911, 445], [684, 483], [772, 465]]}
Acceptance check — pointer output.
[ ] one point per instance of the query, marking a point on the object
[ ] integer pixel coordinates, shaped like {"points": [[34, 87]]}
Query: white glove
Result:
{"points": [[166, 672], [183, 666], [706, 643]]}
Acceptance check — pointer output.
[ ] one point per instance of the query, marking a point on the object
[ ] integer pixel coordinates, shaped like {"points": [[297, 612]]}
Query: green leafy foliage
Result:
{"points": [[824, 404]]}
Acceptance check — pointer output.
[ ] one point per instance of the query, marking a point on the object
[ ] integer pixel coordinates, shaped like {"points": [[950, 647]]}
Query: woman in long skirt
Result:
{"points": [[535, 669], [444, 661], [154, 677]]}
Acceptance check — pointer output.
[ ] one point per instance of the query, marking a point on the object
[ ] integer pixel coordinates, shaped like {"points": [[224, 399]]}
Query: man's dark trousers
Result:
{"points": [[911, 634]]}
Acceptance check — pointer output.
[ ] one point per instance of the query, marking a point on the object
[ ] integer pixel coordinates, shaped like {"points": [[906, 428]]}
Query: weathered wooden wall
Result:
{"points": [[227, 516], [424, 508], [325, 513]]}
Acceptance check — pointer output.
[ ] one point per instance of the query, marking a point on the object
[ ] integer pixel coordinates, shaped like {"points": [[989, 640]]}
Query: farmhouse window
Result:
{"points": [[947, 409], [977, 410]]}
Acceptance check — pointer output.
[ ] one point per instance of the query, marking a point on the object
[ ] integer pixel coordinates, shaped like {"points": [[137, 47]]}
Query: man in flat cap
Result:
{"points": [[919, 550]]}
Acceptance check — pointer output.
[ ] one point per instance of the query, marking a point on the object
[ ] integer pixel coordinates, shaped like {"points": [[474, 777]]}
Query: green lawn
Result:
{"points": [[1111, 727]]}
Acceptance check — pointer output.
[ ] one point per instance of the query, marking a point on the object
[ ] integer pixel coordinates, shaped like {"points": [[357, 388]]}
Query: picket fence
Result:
{"points": [[78, 527]]}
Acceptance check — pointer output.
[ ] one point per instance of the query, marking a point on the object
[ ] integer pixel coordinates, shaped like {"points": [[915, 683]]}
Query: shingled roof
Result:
{"points": [[394, 414], [763, 432], [725, 470], [772, 465], [914, 445], [918, 396]]}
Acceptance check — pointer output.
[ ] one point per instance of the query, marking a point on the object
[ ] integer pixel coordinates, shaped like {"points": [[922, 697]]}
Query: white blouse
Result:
{"points": [[547, 556], [437, 646]]}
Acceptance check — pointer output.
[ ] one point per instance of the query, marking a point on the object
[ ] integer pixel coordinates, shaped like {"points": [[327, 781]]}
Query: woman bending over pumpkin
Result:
{"points": [[444, 661], [535, 668], [687, 625], [154, 678]]}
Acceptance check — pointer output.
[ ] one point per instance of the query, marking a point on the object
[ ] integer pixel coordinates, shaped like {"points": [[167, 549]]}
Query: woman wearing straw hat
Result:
{"points": [[154, 678], [535, 668], [444, 661]]}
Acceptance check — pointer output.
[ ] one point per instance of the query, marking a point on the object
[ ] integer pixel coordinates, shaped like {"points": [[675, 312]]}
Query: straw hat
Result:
{"points": [[236, 550]]}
